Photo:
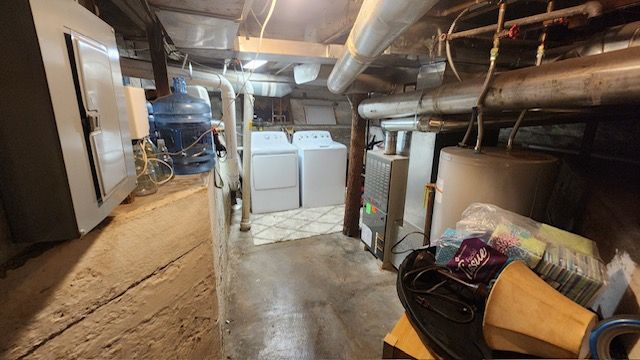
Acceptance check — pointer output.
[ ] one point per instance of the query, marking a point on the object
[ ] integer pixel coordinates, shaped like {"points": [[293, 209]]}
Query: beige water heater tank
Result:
{"points": [[518, 181]]}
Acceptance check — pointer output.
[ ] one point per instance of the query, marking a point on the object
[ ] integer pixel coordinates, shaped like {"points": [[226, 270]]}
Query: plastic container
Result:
{"points": [[184, 122], [163, 154], [147, 175]]}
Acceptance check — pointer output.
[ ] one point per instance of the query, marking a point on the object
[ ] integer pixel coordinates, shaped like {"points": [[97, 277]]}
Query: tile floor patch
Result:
{"points": [[296, 224]]}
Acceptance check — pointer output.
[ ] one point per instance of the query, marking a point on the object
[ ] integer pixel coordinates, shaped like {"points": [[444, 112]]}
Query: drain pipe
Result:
{"points": [[228, 95], [378, 24], [247, 126]]}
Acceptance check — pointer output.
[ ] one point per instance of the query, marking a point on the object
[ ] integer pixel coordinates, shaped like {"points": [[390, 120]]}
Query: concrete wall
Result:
{"points": [[145, 284]]}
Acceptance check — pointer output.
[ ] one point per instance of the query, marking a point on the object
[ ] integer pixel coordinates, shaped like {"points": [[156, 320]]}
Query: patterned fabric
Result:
{"points": [[517, 243], [449, 243]]}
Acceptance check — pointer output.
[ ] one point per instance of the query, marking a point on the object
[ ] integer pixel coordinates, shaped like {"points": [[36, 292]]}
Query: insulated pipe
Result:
{"points": [[440, 126], [390, 142], [606, 79], [589, 9], [378, 24], [247, 122]]}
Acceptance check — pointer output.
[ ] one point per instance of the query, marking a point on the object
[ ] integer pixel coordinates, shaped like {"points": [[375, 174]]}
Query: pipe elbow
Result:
{"points": [[592, 9]]}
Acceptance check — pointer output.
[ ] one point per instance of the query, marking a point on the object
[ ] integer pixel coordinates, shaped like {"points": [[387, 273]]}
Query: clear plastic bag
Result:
{"points": [[568, 262]]}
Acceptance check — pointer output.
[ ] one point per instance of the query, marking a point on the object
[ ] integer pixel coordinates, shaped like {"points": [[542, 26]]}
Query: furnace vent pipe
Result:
{"points": [[606, 79], [378, 24]]}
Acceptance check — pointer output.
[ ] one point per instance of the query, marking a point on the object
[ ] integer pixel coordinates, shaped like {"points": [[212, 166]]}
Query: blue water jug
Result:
{"points": [[184, 122], [152, 123]]}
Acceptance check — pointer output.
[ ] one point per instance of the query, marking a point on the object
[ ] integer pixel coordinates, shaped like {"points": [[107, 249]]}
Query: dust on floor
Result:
{"points": [[321, 297]]}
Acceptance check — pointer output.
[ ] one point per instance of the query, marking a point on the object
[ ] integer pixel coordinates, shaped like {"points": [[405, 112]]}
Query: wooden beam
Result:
{"points": [[351, 226], [158, 59]]}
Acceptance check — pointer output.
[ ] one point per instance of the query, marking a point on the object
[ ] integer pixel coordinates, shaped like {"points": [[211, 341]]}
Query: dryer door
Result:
{"points": [[276, 171]]}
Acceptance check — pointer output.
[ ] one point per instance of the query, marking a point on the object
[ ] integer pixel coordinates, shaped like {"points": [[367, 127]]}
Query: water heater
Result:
{"points": [[518, 181], [65, 149]]}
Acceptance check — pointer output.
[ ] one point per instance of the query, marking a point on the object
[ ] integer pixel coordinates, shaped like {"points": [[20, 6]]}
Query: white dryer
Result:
{"points": [[274, 169], [323, 168]]}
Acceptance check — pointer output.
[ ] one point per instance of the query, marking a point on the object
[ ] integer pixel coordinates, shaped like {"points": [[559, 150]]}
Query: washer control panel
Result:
{"points": [[313, 137], [268, 138]]}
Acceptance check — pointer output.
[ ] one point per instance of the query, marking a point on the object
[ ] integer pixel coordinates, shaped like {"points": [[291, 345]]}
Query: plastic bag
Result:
{"points": [[568, 262]]}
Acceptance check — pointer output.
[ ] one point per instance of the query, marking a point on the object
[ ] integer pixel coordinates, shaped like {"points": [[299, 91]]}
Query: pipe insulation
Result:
{"points": [[606, 79], [378, 24], [437, 125], [247, 127]]}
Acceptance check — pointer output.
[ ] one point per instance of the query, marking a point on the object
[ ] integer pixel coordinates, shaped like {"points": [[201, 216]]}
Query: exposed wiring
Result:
{"points": [[262, 29], [147, 160], [255, 17], [144, 158], [172, 173], [403, 239], [193, 144], [410, 282]]}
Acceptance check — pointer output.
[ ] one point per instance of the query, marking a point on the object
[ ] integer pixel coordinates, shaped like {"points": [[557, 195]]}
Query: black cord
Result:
{"points": [[422, 299], [403, 239]]}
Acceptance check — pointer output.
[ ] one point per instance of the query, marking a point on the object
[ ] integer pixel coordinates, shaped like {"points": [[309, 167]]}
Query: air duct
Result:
{"points": [[606, 79], [378, 24]]}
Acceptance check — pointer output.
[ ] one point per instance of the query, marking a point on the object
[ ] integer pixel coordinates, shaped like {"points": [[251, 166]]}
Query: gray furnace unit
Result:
{"points": [[66, 153], [383, 202]]}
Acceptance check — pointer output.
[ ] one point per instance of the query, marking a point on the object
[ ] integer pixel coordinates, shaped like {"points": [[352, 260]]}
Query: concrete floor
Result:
{"points": [[321, 297]]}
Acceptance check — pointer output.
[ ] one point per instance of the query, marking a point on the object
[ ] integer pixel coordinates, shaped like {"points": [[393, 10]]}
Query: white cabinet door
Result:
{"points": [[98, 95]]}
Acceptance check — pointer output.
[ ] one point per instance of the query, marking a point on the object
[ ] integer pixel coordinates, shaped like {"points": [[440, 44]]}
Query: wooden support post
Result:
{"points": [[351, 226], [158, 59]]}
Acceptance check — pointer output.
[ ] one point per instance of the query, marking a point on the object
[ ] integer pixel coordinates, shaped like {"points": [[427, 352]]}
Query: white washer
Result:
{"points": [[323, 168], [274, 168]]}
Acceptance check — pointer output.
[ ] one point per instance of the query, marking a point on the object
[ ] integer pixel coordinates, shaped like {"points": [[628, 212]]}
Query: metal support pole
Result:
{"points": [[351, 226]]}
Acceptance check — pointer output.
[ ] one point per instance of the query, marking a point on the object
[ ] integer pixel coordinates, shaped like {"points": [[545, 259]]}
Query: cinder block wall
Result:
{"points": [[145, 284]]}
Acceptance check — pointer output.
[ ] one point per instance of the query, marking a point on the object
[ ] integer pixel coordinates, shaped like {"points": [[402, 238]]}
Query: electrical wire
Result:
{"points": [[193, 144], [170, 169], [410, 281], [144, 159], [262, 29], [403, 239]]}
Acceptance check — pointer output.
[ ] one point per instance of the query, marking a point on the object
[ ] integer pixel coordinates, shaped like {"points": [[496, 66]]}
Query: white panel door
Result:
{"points": [[98, 94], [278, 171]]}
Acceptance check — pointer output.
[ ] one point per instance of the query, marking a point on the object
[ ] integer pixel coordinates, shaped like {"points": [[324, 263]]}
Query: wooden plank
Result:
{"points": [[158, 59], [405, 341], [357, 145]]}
